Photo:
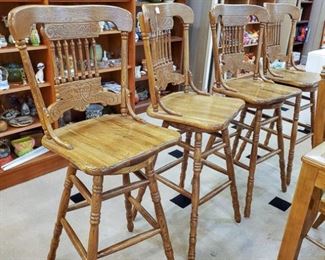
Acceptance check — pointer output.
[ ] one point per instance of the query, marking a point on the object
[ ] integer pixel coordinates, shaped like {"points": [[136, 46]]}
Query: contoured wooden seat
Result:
{"points": [[228, 24], [218, 111], [190, 111], [112, 144]]}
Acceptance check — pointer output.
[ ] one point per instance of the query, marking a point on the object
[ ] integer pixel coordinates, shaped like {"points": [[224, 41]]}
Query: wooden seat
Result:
{"points": [[127, 143], [109, 145], [310, 188], [228, 24], [190, 111], [296, 78], [291, 75], [259, 92], [191, 105]]}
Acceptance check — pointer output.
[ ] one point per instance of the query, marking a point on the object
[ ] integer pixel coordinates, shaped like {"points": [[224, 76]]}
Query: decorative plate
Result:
{"points": [[21, 121]]}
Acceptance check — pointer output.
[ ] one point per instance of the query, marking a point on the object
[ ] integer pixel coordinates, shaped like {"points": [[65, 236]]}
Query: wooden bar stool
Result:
{"points": [[188, 111], [291, 76], [309, 190], [115, 144], [228, 23]]}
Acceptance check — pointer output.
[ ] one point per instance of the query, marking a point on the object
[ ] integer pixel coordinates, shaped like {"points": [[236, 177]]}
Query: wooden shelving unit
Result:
{"points": [[109, 41], [141, 84]]}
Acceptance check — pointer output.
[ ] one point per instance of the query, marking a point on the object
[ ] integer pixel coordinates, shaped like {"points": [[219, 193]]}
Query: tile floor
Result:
{"points": [[28, 211]]}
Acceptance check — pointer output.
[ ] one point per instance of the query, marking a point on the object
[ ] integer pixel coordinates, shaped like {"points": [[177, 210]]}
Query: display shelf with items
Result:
{"points": [[15, 96], [142, 98]]}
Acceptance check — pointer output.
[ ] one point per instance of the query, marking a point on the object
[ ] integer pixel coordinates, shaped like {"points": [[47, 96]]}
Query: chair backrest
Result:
{"points": [[228, 24], [319, 124], [70, 32], [277, 13], [157, 21]]}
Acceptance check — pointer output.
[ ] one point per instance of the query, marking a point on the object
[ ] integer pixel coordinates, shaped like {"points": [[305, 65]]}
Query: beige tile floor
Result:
{"points": [[28, 211]]}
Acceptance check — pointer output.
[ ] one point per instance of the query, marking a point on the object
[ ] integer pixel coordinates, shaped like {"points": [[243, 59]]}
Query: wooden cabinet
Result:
{"points": [[109, 41], [141, 83]]}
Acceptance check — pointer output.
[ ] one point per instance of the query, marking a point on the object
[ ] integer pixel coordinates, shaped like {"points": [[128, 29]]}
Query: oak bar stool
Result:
{"points": [[310, 188], [291, 76], [188, 111], [228, 25], [108, 145]]}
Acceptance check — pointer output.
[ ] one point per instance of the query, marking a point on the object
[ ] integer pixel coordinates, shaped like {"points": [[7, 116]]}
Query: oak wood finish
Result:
{"points": [[228, 24], [193, 112], [292, 75], [111, 144], [309, 190]]}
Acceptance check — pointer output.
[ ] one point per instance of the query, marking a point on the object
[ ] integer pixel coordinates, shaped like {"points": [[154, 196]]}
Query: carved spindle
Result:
{"points": [[236, 39], [223, 41], [241, 39], [233, 39], [56, 73], [67, 59], [93, 42], [161, 47], [74, 59], [59, 50], [279, 33], [81, 59], [86, 46], [170, 46], [166, 46], [153, 44]]}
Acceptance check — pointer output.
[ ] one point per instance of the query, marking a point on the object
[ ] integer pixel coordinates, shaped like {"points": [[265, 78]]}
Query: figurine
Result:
{"points": [[3, 126], [24, 110], [34, 36], [40, 73], [105, 58], [137, 72], [3, 78], [3, 41]]}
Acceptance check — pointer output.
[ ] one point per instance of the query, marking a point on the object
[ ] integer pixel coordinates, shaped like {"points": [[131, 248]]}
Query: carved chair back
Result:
{"points": [[228, 25], [319, 129], [277, 14], [157, 22], [70, 32]]}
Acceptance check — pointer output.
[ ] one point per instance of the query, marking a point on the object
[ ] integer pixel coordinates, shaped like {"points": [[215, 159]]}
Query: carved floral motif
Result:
{"points": [[165, 75]]}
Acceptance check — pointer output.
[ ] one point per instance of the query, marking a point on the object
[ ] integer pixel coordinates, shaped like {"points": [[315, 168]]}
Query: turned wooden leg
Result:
{"points": [[304, 207], [64, 203], [195, 195], [159, 212], [319, 220], [239, 130], [231, 174], [185, 160], [269, 134], [293, 138], [96, 203], [252, 163], [244, 143], [281, 147], [312, 115], [128, 205]]}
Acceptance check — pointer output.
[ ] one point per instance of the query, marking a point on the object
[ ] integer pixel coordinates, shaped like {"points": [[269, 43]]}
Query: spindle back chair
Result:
{"points": [[190, 111], [228, 23], [291, 75], [309, 190], [90, 145]]}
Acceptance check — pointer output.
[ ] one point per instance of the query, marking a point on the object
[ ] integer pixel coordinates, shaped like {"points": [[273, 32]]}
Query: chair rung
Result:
{"points": [[112, 193], [168, 166], [174, 186], [303, 138], [214, 192], [305, 97], [267, 156], [143, 212], [304, 107], [81, 188], [315, 242], [289, 103], [259, 144], [242, 125], [186, 146], [212, 150], [242, 165], [128, 242], [214, 166], [269, 121], [74, 239]]}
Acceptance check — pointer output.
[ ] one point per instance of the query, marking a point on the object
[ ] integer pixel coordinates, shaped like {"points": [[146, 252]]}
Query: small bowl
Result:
{"points": [[94, 110], [23, 145]]}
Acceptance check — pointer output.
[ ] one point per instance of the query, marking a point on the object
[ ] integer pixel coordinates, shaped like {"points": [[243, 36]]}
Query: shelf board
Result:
{"points": [[142, 106], [306, 2], [254, 23], [173, 39], [12, 49], [110, 32], [144, 77], [298, 43], [302, 22], [112, 69], [250, 45], [14, 130], [19, 88]]}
